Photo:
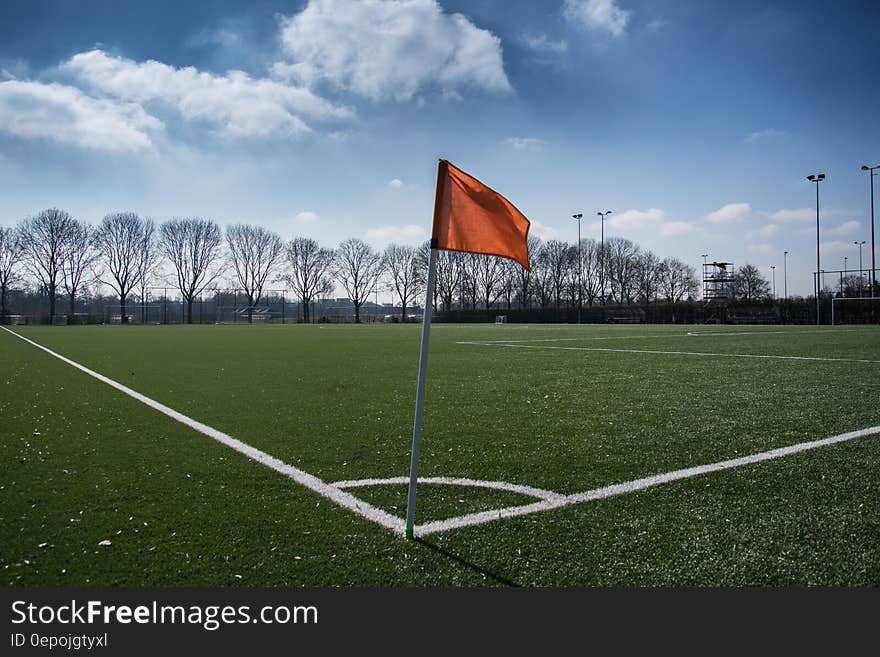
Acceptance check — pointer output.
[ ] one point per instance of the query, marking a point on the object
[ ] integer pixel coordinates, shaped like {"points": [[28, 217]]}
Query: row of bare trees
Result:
{"points": [[563, 276], [127, 253]]}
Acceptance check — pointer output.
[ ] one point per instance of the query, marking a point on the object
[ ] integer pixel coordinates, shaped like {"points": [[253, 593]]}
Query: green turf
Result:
{"points": [[83, 463]]}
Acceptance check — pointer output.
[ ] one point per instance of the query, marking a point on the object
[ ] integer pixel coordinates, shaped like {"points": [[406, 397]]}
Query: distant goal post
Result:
{"points": [[855, 310], [501, 319]]}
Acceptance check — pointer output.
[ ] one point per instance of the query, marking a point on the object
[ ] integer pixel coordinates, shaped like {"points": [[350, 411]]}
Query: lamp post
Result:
{"points": [[580, 265], [773, 275], [871, 170], [860, 245], [817, 179], [602, 255], [844, 274], [785, 274]]}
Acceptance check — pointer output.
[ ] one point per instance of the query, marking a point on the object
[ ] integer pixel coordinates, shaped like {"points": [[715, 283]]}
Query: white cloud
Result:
{"points": [[800, 214], [63, 114], [307, 217], [396, 183], [408, 234], [235, 104], [540, 43], [602, 15], [540, 230], [730, 213], [805, 214], [760, 135], [390, 49], [836, 247], [525, 143], [631, 220], [846, 228], [769, 230], [673, 228]]}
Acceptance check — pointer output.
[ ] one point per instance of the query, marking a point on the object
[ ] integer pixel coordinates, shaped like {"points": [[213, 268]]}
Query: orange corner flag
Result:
{"points": [[470, 217]]}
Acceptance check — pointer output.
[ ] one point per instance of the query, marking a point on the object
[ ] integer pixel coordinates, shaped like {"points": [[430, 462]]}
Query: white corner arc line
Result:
{"points": [[530, 491], [674, 353], [313, 483], [637, 484]]}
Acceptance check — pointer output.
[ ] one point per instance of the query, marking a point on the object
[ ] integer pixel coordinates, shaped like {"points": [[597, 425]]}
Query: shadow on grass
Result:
{"points": [[467, 564]]}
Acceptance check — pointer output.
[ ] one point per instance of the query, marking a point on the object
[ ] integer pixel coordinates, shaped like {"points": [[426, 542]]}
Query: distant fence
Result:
{"points": [[800, 311]]}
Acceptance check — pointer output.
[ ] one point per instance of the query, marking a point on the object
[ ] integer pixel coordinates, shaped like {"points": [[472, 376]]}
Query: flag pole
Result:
{"points": [[442, 169], [420, 393]]}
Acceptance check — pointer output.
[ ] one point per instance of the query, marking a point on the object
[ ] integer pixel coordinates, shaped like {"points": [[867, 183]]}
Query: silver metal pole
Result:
{"points": [[420, 396]]}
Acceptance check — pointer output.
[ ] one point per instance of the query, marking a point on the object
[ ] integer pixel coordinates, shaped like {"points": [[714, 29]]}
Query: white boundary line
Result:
{"points": [[635, 485], [669, 353], [343, 499], [549, 499], [689, 334]]}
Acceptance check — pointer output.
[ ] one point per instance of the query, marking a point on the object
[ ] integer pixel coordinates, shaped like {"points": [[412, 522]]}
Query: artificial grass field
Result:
{"points": [[83, 463]]}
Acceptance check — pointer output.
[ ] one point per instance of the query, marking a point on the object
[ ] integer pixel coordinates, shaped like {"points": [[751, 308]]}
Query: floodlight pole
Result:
{"points": [[773, 271], [817, 179], [785, 274], [871, 170], [860, 244], [602, 255], [580, 266]]}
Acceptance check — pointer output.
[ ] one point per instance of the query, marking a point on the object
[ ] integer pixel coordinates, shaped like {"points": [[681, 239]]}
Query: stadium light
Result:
{"points": [[602, 255], [860, 245], [580, 265], [785, 274], [871, 173], [773, 272], [817, 179]]}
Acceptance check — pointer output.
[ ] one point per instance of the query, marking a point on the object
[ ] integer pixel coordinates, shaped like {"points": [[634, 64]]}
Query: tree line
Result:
{"points": [[60, 255]]}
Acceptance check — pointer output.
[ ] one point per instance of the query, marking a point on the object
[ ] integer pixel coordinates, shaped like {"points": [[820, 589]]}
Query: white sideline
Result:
{"points": [[669, 353], [695, 334], [635, 485], [343, 499]]}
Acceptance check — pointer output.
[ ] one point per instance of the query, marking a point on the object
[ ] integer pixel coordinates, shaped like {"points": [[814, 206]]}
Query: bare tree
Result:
{"points": [[621, 258], [590, 276], [488, 274], [119, 238], [749, 285], [467, 282], [448, 276], [523, 276], [11, 250], [43, 238], [146, 261], [193, 247], [255, 253], [358, 268], [648, 271], [78, 254], [678, 280], [309, 274], [542, 277], [557, 257], [406, 274]]}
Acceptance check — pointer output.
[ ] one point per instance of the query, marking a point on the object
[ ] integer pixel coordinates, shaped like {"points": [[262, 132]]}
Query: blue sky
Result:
{"points": [[695, 122]]}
